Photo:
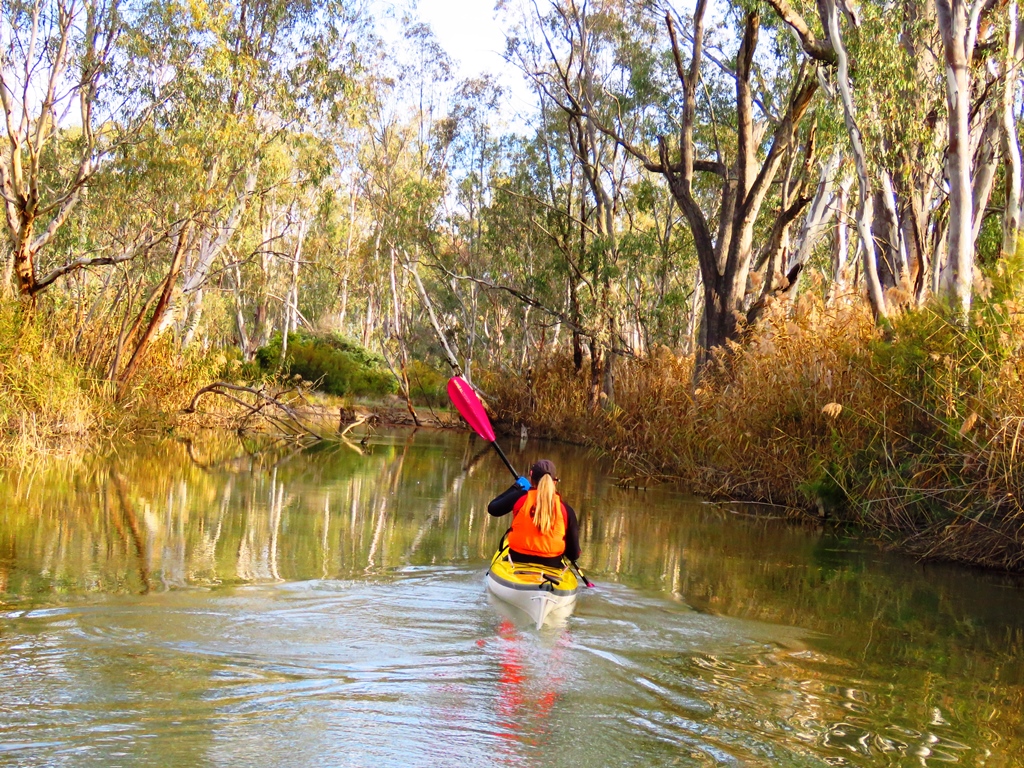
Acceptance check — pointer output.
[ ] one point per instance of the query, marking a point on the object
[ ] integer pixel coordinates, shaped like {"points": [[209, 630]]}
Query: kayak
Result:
{"points": [[542, 592]]}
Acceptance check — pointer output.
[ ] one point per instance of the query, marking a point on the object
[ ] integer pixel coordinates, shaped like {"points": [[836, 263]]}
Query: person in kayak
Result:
{"points": [[544, 528]]}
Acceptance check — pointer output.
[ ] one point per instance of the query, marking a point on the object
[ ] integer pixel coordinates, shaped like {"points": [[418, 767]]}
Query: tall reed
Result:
{"points": [[913, 433]]}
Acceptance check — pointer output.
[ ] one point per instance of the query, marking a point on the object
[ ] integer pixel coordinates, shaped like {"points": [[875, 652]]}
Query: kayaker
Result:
{"points": [[544, 528]]}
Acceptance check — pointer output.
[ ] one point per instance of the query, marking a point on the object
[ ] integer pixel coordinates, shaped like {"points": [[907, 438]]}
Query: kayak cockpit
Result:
{"points": [[541, 591]]}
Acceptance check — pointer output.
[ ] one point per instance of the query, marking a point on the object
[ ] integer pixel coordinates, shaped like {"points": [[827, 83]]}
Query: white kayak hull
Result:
{"points": [[544, 594]]}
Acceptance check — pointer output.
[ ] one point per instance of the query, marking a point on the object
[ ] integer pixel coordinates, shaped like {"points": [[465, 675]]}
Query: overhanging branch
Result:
{"points": [[522, 296], [99, 261]]}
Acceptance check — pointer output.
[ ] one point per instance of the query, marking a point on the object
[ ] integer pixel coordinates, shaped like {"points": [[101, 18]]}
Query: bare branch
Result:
{"points": [[522, 296], [146, 245], [222, 388]]}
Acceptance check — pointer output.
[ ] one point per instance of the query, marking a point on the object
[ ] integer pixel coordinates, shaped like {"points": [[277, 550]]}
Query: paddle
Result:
{"points": [[580, 575], [468, 404]]}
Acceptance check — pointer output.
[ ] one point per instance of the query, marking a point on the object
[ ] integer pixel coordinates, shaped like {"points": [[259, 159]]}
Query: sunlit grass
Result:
{"points": [[57, 399]]}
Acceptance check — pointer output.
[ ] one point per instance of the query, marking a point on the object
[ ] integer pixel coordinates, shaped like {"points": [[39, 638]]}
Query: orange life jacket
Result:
{"points": [[526, 538]]}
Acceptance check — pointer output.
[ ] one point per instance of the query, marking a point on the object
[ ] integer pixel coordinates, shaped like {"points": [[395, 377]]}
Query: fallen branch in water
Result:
{"points": [[362, 419], [263, 401]]}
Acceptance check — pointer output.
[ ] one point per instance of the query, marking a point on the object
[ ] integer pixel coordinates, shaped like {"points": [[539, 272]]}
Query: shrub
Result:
{"points": [[336, 365]]}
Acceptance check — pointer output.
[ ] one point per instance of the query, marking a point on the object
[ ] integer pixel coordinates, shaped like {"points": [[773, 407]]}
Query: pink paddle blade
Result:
{"points": [[468, 404]]}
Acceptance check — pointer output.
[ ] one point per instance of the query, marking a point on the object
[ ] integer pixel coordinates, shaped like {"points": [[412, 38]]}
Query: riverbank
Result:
{"points": [[58, 398], [909, 433]]}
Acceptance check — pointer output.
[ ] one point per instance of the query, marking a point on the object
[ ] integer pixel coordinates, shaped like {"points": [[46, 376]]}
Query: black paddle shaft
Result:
{"points": [[579, 573], [505, 459]]}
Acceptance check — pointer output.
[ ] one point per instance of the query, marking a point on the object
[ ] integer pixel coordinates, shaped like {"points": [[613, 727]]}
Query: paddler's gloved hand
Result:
{"points": [[523, 483]]}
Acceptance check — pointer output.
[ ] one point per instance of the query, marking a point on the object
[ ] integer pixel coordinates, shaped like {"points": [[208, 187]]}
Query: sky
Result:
{"points": [[468, 30], [471, 34]]}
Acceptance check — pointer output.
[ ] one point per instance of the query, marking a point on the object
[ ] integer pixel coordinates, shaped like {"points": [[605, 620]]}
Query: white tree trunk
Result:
{"points": [[291, 304], [395, 300], [956, 26], [819, 213], [248, 349], [895, 233], [841, 241], [368, 318], [452, 358], [985, 166], [864, 214], [343, 312], [1011, 143]]}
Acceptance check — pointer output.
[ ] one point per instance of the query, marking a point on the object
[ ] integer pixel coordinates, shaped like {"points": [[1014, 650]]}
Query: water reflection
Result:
{"points": [[231, 601], [167, 515]]}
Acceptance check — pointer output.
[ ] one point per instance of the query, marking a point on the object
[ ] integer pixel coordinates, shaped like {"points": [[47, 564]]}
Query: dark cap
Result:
{"points": [[541, 468]]}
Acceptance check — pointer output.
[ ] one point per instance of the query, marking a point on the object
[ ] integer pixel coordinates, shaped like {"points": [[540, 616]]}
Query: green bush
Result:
{"points": [[337, 366]]}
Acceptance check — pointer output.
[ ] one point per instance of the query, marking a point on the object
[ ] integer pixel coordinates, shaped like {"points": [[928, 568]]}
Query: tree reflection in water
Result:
{"points": [[733, 621]]}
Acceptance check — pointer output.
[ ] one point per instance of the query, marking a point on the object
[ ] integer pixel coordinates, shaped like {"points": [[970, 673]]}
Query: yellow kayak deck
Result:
{"points": [[532, 577]]}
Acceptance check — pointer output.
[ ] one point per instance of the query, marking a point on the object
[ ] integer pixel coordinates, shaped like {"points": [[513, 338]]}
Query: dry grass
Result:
{"points": [[913, 433], [43, 408], [56, 400]]}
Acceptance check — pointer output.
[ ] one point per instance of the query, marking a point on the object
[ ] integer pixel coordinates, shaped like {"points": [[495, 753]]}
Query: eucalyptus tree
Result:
{"points": [[404, 164], [271, 71], [475, 158], [958, 25], [270, 255], [1013, 57], [737, 146], [79, 79], [569, 52], [532, 241], [661, 278], [538, 234], [395, 193]]}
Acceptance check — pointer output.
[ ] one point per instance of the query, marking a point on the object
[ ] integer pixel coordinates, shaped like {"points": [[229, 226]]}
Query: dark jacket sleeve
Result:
{"points": [[572, 534], [503, 504]]}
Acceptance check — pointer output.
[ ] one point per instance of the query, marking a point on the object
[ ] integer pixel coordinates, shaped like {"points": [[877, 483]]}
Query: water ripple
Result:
{"points": [[419, 667]]}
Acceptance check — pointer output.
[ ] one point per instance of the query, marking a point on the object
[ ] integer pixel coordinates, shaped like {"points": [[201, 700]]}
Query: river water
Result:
{"points": [[232, 603]]}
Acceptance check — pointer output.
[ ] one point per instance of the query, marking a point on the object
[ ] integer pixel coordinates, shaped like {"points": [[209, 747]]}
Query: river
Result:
{"points": [[235, 602]]}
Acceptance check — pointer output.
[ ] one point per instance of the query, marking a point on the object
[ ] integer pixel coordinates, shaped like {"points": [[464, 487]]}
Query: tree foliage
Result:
{"points": [[212, 175]]}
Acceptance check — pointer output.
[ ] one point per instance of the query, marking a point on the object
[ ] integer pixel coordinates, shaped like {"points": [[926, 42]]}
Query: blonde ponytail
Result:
{"points": [[544, 513]]}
